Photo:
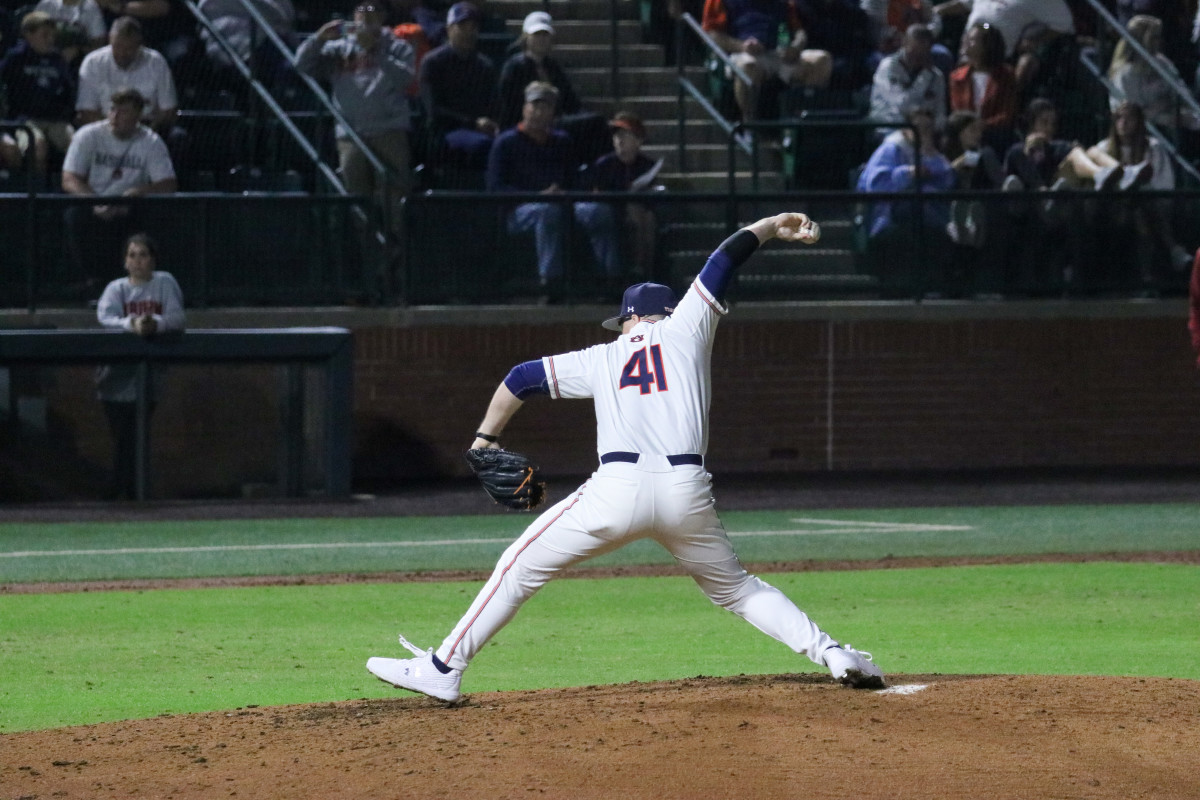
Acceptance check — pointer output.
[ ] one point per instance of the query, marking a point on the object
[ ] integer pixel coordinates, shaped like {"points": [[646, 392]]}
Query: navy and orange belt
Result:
{"points": [[694, 459]]}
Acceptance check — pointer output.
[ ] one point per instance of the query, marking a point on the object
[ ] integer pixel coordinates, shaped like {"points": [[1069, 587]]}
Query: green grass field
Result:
{"points": [[84, 657]]}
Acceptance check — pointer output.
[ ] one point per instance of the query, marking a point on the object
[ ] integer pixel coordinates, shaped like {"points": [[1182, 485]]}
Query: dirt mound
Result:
{"points": [[929, 736]]}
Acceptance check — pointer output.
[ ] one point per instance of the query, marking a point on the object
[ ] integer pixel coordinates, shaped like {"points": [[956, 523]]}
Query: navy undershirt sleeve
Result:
{"points": [[526, 379], [719, 268]]}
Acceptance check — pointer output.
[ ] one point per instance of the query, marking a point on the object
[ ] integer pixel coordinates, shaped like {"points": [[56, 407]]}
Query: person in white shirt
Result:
{"points": [[908, 77], [116, 157], [1142, 161], [147, 302], [1137, 81], [125, 63]]}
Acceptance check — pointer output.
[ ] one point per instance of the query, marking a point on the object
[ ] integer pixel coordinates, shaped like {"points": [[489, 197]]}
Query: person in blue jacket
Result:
{"points": [[909, 160]]}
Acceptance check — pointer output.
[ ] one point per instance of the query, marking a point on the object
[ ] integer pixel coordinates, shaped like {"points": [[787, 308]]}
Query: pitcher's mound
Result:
{"points": [[791, 736]]}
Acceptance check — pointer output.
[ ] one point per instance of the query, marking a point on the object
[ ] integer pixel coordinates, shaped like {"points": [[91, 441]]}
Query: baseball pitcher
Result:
{"points": [[651, 390]]}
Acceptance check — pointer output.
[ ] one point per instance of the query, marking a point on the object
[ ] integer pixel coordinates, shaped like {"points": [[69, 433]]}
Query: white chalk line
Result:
{"points": [[224, 548], [847, 527], [852, 526]]}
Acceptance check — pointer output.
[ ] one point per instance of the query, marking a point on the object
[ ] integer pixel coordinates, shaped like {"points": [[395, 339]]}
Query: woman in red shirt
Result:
{"points": [[986, 85]]}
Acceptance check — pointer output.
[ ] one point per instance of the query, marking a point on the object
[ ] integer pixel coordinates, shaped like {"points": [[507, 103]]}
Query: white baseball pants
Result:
{"points": [[619, 504]]}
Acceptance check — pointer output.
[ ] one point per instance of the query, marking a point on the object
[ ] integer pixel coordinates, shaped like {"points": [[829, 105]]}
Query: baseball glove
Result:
{"points": [[509, 478]]}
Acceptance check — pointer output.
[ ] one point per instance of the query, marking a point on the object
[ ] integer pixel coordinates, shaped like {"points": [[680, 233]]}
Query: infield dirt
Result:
{"points": [[786, 736]]}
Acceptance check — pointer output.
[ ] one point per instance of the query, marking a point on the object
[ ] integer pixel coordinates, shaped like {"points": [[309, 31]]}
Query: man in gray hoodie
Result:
{"points": [[369, 71]]}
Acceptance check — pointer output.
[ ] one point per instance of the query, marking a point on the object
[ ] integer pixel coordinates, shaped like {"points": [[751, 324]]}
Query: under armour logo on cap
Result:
{"points": [[644, 300]]}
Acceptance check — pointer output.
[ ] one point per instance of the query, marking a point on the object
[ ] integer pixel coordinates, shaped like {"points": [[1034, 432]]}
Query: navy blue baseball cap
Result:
{"points": [[645, 300], [462, 11]]}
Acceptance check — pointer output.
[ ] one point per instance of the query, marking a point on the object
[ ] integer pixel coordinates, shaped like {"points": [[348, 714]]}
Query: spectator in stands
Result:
{"points": [[458, 90], [147, 302], [908, 77], [976, 167], [534, 62], [116, 157], [986, 85], [1138, 82], [369, 70], [900, 161], [167, 26], [842, 29], [41, 92], [908, 157], [236, 24], [1175, 16], [766, 40], [79, 27], [1012, 17], [126, 63], [428, 17], [1142, 161], [628, 169], [1042, 160], [890, 21], [423, 28], [535, 157]]}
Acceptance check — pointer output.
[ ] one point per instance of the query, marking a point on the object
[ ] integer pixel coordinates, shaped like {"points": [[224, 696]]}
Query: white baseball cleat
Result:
{"points": [[417, 674], [853, 667]]}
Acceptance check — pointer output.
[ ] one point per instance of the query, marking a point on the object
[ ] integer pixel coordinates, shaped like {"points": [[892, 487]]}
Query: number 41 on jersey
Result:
{"points": [[645, 371]]}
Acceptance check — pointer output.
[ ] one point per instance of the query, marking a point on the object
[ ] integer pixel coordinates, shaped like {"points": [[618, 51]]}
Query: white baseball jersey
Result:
{"points": [[652, 386]]}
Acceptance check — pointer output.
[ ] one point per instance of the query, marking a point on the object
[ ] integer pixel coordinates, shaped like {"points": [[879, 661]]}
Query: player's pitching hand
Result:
{"points": [[797, 227]]}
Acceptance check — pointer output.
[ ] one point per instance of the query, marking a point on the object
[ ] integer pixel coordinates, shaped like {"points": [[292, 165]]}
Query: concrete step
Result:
{"points": [[782, 275], [569, 32], [712, 158], [697, 131], [583, 56], [718, 182], [635, 81], [565, 9], [778, 265], [653, 108], [704, 228]]}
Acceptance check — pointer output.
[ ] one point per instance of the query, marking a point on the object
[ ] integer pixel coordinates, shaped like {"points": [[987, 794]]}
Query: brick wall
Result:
{"points": [[800, 389], [823, 394]]}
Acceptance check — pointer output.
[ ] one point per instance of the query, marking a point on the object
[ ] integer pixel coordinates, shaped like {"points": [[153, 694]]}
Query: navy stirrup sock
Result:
{"points": [[437, 662]]}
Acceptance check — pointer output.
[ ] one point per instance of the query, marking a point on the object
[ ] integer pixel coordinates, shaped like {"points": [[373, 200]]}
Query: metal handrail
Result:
{"points": [[614, 57], [1182, 94], [265, 96], [1163, 139], [687, 21], [314, 86]]}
